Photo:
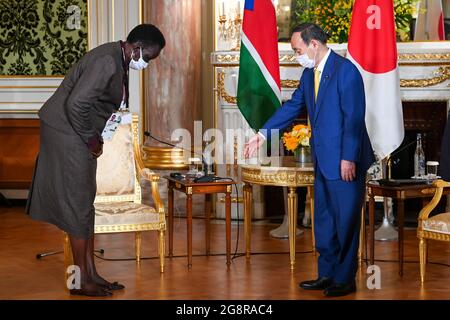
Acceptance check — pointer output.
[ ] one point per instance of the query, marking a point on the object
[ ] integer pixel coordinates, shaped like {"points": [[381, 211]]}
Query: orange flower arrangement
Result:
{"points": [[299, 136]]}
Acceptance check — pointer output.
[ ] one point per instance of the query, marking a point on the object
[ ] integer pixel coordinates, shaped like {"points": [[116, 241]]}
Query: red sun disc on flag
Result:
{"points": [[372, 41]]}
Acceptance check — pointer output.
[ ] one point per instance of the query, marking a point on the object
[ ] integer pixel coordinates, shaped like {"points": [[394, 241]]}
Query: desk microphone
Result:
{"points": [[205, 165], [389, 158]]}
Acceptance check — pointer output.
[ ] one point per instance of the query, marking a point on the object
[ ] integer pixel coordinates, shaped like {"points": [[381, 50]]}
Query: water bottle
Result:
{"points": [[419, 158], [208, 163]]}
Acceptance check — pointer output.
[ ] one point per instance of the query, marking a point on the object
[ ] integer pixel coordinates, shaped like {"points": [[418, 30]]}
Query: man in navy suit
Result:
{"points": [[332, 90]]}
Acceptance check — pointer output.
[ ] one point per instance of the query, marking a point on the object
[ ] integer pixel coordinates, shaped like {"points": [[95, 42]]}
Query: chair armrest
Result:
{"points": [[149, 175], [153, 178], [425, 212], [441, 184], [142, 171]]}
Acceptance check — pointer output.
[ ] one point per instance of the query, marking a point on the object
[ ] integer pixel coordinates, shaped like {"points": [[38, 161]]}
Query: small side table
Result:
{"points": [[190, 188], [401, 193], [286, 173]]}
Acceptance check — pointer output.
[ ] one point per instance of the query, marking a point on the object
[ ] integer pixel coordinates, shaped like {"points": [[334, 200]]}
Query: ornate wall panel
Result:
{"points": [[42, 37]]}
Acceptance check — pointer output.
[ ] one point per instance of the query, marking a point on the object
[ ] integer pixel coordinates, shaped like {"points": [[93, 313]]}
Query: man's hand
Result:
{"points": [[348, 170], [253, 145]]}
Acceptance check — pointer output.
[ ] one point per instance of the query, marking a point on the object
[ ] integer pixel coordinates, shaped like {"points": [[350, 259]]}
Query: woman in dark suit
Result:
{"points": [[72, 120]]}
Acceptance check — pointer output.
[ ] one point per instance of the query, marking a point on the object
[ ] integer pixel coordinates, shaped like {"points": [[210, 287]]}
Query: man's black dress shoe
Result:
{"points": [[338, 290], [318, 284]]}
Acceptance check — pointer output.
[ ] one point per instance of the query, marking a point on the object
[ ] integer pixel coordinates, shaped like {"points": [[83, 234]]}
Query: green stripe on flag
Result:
{"points": [[255, 98]]}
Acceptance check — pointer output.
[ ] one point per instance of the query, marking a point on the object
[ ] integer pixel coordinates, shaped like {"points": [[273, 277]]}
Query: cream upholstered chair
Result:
{"points": [[434, 228], [118, 206]]}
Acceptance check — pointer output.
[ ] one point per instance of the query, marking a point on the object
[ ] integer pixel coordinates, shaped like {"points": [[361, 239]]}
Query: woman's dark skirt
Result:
{"points": [[64, 183]]}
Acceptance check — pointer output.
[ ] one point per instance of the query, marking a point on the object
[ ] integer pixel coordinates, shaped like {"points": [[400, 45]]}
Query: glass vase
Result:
{"points": [[302, 154]]}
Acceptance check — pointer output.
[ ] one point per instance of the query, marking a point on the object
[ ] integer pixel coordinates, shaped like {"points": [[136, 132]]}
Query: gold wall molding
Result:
{"points": [[288, 84], [222, 92], [442, 75], [230, 59], [288, 59], [423, 56]]}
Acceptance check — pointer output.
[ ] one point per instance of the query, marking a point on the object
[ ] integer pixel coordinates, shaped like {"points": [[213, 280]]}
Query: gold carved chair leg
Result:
{"points": [[138, 246], [68, 257], [423, 251], [161, 248], [434, 228]]}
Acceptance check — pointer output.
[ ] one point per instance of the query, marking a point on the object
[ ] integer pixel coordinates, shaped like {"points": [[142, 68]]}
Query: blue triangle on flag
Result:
{"points": [[249, 4]]}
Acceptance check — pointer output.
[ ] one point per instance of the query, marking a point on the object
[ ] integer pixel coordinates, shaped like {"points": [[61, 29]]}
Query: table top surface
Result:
{"points": [[189, 182], [375, 184], [286, 163]]}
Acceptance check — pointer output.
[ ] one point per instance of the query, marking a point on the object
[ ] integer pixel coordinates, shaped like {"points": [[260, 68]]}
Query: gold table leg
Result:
{"points": [[292, 216], [228, 226], [248, 218]]}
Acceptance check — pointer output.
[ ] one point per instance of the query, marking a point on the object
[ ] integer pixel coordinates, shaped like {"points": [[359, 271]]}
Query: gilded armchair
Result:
{"points": [[434, 228], [118, 206]]}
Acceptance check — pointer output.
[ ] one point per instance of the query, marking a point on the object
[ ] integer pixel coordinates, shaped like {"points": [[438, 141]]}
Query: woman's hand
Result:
{"points": [[96, 146], [97, 152]]}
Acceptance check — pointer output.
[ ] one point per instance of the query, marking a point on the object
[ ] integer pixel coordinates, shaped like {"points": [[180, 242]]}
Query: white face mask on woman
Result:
{"points": [[306, 61], [138, 65]]}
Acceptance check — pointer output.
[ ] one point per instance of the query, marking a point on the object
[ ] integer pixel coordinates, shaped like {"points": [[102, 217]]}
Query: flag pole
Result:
{"points": [[387, 231]]}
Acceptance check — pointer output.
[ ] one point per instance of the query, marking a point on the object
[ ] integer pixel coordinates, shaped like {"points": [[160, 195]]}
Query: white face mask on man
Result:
{"points": [[139, 64], [305, 61]]}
